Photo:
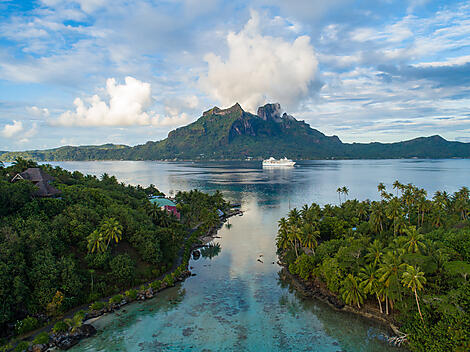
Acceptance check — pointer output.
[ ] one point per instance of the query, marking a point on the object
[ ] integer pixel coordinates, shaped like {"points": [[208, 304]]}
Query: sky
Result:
{"points": [[83, 72]]}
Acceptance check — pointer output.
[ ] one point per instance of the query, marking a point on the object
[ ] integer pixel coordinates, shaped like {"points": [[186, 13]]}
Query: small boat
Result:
{"points": [[284, 162]]}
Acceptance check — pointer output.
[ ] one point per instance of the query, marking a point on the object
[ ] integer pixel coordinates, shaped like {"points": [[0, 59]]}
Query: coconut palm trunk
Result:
{"points": [[419, 309], [380, 303]]}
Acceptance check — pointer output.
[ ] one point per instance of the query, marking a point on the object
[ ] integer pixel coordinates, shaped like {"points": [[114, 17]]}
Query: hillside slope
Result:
{"points": [[236, 134]]}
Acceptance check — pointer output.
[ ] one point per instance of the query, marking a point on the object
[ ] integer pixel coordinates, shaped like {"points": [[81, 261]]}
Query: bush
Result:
{"points": [[156, 284], [116, 299], [26, 325], [41, 339], [122, 269], [169, 280], [97, 305], [131, 294], [22, 346], [59, 327]]}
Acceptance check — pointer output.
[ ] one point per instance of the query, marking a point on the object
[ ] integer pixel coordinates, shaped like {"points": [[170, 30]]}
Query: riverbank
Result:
{"points": [[317, 290], [67, 339]]}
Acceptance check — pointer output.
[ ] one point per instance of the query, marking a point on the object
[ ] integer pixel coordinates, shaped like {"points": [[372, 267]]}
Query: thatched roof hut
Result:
{"points": [[40, 179]]}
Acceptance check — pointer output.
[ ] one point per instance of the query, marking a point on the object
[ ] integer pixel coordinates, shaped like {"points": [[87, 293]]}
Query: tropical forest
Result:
{"points": [[404, 259], [96, 239]]}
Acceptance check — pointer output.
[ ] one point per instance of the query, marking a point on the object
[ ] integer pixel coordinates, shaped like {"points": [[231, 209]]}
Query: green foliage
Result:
{"points": [[131, 294], [116, 299], [21, 346], [406, 254], [122, 269], [42, 338], [26, 325], [60, 327], [98, 305], [48, 247], [169, 280]]}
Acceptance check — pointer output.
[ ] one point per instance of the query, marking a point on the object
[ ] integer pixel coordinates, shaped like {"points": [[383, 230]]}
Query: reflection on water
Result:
{"points": [[211, 250], [237, 302]]}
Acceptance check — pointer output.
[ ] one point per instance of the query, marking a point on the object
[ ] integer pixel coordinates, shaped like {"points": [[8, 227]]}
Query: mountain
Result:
{"points": [[86, 152], [236, 134]]}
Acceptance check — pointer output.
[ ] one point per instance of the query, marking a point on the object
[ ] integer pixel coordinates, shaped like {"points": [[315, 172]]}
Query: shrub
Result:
{"points": [[156, 284], [122, 269], [131, 294], [22, 346], [116, 299], [97, 305], [59, 327], [169, 280], [41, 339], [26, 325]]}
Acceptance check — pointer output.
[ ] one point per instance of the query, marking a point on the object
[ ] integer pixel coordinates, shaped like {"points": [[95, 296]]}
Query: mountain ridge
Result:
{"points": [[235, 134]]}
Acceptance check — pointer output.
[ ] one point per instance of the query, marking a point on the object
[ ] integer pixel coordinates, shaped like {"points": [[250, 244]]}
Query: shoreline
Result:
{"points": [[315, 290], [64, 341]]}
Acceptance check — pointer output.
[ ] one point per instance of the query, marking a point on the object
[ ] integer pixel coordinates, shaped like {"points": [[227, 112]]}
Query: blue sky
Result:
{"points": [[96, 71]]}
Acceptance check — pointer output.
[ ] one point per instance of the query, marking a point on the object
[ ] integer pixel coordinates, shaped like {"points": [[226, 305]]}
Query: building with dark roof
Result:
{"points": [[40, 179]]}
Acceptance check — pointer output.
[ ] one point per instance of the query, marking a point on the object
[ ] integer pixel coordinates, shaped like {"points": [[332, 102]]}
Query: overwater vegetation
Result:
{"points": [[405, 258], [98, 238]]}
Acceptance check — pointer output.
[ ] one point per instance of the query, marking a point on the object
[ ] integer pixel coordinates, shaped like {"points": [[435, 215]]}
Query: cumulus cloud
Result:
{"points": [[260, 68], [125, 104], [13, 129]]}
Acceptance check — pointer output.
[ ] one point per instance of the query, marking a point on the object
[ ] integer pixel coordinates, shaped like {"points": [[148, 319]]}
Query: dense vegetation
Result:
{"points": [[405, 257], [98, 238], [236, 134]]}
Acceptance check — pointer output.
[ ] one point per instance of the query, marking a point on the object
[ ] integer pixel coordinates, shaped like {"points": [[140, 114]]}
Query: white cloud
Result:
{"points": [[125, 104], [13, 129], [260, 69], [34, 110]]}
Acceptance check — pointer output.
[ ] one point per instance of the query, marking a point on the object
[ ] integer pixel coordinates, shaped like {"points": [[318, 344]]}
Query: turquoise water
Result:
{"points": [[235, 302]]}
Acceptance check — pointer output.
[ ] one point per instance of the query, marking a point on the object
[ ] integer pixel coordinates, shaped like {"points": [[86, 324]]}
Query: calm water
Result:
{"points": [[236, 303]]}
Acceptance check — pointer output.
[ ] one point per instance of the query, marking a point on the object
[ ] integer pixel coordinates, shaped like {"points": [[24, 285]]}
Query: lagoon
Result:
{"points": [[235, 302]]}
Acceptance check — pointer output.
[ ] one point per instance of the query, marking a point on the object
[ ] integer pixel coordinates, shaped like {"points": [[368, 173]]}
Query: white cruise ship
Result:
{"points": [[284, 162]]}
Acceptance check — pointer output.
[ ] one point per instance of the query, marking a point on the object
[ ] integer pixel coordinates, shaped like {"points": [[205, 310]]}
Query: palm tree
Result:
{"points": [[339, 190], [414, 240], [294, 217], [309, 236], [370, 282], [22, 164], [111, 230], [351, 292], [295, 238], [96, 242], [362, 210], [377, 216], [389, 274], [282, 239], [394, 212], [398, 186], [374, 252], [414, 280], [345, 190]]}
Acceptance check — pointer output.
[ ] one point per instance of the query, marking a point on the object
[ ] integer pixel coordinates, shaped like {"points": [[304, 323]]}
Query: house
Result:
{"points": [[40, 179], [166, 204]]}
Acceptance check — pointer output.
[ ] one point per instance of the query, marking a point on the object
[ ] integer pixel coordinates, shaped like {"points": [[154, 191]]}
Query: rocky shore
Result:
{"points": [[317, 289]]}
